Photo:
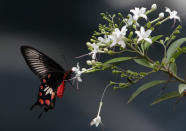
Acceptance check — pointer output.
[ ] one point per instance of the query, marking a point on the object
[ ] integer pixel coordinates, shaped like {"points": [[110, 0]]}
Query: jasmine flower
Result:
{"points": [[97, 120], [117, 37], [104, 40], [173, 14], [143, 35], [77, 72], [95, 50], [131, 21], [139, 13]]}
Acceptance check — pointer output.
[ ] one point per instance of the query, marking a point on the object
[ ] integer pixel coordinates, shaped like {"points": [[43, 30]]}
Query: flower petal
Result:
{"points": [[74, 69], [148, 40], [138, 33], [144, 16], [139, 39], [167, 10], [122, 43], [142, 30]]}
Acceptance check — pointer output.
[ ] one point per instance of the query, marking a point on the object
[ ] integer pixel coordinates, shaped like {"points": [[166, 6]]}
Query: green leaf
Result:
{"points": [[144, 62], [174, 46], [117, 60], [143, 46], [181, 88], [145, 87], [155, 38], [166, 97], [173, 68]]}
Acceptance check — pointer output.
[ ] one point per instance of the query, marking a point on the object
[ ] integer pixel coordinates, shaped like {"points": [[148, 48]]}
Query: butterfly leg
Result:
{"points": [[44, 110], [37, 103]]}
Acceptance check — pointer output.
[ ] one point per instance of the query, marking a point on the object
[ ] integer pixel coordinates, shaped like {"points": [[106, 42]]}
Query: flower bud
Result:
{"points": [[161, 15], [177, 32], [172, 60], [93, 62], [162, 42], [130, 35], [179, 27], [89, 62], [84, 69], [154, 7], [105, 50], [88, 44], [92, 40]]}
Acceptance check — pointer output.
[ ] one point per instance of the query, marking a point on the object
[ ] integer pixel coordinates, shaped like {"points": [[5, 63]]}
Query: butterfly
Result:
{"points": [[53, 77]]}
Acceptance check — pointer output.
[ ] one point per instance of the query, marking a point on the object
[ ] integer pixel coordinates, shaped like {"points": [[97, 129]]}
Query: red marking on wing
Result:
{"points": [[49, 75], [41, 87], [47, 102], [53, 95], [60, 89], [44, 81], [40, 94], [41, 101]]}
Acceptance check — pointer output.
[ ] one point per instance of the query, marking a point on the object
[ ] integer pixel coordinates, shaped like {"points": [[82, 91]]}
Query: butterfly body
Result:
{"points": [[52, 76]]}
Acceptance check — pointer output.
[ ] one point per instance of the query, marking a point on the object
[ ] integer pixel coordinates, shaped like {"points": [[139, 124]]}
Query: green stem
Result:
{"points": [[165, 51], [161, 69], [173, 75]]}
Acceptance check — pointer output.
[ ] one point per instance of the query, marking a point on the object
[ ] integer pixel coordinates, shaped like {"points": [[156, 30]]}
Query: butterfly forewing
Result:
{"points": [[39, 63]]}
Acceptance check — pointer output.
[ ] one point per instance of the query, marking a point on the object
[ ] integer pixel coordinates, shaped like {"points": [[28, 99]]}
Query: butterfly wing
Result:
{"points": [[50, 73], [39, 63]]}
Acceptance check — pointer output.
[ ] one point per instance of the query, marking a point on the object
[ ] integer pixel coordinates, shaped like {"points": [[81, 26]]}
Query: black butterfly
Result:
{"points": [[53, 77]]}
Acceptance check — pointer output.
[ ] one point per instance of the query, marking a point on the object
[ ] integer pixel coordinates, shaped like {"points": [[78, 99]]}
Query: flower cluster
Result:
{"points": [[119, 35], [126, 34]]}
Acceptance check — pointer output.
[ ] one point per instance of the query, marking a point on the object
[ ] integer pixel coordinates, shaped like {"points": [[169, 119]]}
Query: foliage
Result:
{"points": [[120, 34]]}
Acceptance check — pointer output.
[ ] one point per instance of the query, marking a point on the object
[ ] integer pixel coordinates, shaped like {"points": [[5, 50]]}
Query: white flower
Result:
{"points": [[96, 121], [143, 35], [104, 40], [139, 13], [173, 14], [117, 37], [161, 15], [130, 21], [95, 50], [154, 7], [77, 72]]}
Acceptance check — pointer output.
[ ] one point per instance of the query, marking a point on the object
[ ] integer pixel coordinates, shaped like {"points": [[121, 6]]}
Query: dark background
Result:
{"points": [[61, 28]]}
